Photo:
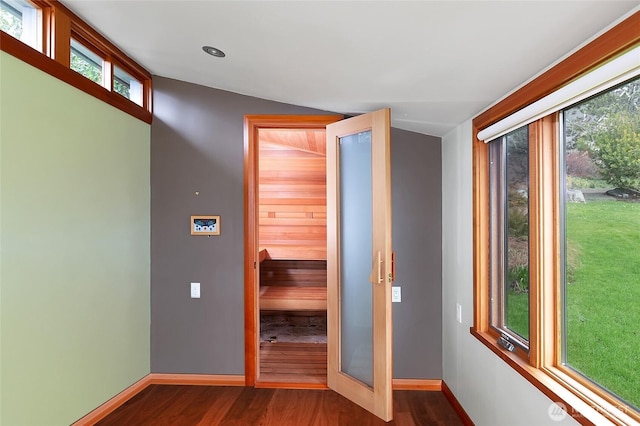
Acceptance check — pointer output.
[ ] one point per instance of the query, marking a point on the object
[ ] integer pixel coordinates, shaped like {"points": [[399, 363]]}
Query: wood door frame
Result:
{"points": [[252, 125]]}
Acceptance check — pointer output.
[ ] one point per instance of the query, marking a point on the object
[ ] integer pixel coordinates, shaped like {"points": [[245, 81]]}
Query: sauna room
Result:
{"points": [[292, 240]]}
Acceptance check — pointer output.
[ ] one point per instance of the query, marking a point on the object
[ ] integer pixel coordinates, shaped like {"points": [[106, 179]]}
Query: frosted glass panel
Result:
{"points": [[356, 293]]}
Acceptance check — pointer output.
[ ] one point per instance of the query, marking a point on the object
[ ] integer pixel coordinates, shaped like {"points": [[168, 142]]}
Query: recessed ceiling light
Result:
{"points": [[213, 51]]}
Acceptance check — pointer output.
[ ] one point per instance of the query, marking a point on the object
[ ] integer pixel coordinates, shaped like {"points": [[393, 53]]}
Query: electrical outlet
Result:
{"points": [[459, 313], [195, 290], [396, 294]]}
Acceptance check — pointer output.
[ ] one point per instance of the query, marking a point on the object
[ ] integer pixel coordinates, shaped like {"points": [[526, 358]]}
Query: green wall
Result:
{"points": [[75, 244]]}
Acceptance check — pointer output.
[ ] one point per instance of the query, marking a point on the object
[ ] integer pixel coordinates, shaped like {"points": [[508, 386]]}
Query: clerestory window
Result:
{"points": [[21, 20], [86, 62], [126, 85], [45, 34]]}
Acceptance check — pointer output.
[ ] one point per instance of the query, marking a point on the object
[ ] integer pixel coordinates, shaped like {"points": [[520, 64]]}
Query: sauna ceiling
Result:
{"points": [[308, 140]]}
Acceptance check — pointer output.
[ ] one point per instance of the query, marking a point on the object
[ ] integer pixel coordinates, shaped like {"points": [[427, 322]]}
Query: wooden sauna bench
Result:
{"points": [[293, 285]]}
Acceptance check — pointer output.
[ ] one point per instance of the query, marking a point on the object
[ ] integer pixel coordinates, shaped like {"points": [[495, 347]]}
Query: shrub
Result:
{"points": [[518, 222], [575, 182], [518, 277], [580, 164]]}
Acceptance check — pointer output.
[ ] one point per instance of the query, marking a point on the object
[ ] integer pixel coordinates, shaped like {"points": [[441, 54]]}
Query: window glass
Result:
{"points": [[126, 85], [602, 240], [509, 174], [19, 19], [86, 62]]}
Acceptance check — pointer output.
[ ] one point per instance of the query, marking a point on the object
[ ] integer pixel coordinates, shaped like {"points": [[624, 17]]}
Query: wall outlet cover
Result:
{"points": [[396, 294], [195, 290]]}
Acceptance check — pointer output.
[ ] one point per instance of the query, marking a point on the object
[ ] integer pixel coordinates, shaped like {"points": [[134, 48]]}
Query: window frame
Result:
{"points": [[542, 365], [497, 235], [59, 25], [92, 49], [133, 73], [40, 27]]}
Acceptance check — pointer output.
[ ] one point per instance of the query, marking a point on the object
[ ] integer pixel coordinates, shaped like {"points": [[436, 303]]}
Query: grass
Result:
{"points": [[518, 313], [603, 296]]}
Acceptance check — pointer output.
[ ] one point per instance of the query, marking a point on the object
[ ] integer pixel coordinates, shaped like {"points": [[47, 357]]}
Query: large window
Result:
{"points": [[601, 255], [557, 230]]}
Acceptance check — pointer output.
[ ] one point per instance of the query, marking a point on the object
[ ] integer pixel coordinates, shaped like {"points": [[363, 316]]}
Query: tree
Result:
{"points": [[93, 72], [86, 68], [608, 128], [10, 23], [617, 149]]}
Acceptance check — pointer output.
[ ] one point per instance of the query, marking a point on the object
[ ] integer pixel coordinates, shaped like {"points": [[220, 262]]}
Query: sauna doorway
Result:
{"points": [[360, 262], [286, 251]]}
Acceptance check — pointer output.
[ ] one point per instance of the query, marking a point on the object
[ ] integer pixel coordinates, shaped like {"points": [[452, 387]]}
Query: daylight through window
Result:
{"points": [[601, 256], [66, 47], [86, 62], [509, 174], [126, 85], [557, 230], [19, 18]]}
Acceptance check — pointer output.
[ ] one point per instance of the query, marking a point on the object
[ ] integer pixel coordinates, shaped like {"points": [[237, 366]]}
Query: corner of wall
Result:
{"points": [[489, 390]]}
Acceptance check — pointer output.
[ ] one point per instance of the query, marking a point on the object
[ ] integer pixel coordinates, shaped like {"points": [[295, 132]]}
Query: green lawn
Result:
{"points": [[603, 301], [518, 313]]}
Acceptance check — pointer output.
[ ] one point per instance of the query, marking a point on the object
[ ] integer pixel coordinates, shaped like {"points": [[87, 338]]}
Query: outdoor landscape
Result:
{"points": [[601, 243]]}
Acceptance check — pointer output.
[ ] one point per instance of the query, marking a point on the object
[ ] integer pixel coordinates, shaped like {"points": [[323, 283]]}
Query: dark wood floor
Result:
{"points": [[212, 405]]}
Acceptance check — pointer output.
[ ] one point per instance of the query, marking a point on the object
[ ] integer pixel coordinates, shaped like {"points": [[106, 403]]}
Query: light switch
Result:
{"points": [[459, 313], [396, 294], [195, 290]]}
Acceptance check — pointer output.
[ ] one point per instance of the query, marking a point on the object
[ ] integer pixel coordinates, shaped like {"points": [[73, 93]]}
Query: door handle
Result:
{"points": [[377, 269]]}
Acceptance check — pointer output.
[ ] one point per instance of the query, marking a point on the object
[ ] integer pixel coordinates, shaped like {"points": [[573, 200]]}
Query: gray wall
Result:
{"points": [[197, 145], [417, 241]]}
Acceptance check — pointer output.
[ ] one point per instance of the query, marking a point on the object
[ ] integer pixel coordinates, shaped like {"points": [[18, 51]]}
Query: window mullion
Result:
{"points": [[481, 237], [544, 231], [60, 36], [107, 75]]}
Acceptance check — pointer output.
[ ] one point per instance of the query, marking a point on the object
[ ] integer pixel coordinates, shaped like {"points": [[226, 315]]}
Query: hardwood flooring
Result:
{"points": [[293, 363], [213, 405]]}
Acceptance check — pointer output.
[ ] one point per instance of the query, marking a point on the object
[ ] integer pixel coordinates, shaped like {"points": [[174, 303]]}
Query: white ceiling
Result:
{"points": [[435, 63]]}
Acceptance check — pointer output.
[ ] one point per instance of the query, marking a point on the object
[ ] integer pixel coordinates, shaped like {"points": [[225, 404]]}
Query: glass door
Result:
{"points": [[359, 261]]}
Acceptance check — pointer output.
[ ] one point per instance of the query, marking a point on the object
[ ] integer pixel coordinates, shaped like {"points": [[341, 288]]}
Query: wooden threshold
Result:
{"points": [[434, 385], [196, 379], [293, 365]]}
